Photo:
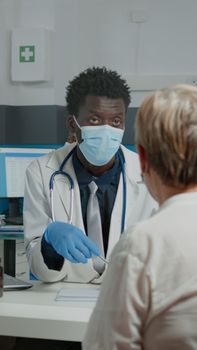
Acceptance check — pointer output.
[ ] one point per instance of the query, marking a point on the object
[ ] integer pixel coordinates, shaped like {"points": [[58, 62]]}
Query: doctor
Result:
{"points": [[57, 240]]}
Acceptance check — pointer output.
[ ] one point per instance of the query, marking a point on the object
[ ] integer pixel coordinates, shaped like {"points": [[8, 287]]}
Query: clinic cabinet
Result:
{"points": [[12, 251]]}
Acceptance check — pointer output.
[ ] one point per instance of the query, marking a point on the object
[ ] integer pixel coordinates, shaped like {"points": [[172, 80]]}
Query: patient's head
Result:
{"points": [[166, 128]]}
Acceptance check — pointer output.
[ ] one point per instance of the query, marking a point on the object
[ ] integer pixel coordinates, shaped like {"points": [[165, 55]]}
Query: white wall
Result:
{"points": [[100, 32]]}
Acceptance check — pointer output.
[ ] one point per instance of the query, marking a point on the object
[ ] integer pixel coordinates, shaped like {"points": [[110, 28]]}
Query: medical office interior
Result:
{"points": [[43, 45]]}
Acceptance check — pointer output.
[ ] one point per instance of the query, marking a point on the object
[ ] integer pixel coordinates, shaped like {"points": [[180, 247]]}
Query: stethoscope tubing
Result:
{"points": [[51, 188]]}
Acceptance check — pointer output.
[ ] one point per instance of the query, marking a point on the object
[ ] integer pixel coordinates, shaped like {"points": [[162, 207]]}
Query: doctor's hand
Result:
{"points": [[70, 242]]}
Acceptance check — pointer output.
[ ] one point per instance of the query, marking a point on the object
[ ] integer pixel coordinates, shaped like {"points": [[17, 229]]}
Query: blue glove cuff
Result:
{"points": [[46, 236], [47, 232]]}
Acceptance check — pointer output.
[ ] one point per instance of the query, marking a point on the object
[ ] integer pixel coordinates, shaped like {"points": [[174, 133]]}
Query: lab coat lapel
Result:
{"points": [[132, 188], [115, 225], [63, 189]]}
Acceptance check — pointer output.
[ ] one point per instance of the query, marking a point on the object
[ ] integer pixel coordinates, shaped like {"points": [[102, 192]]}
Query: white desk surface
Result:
{"points": [[34, 313]]}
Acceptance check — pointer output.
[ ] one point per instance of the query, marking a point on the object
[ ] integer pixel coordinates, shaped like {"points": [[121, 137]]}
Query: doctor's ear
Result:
{"points": [[143, 159], [70, 123]]}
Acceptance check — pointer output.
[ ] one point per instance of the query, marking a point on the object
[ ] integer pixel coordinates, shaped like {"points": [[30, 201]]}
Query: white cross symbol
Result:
{"points": [[27, 53]]}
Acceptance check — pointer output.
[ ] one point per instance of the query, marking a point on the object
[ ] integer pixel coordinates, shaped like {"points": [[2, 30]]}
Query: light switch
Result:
{"points": [[138, 16]]}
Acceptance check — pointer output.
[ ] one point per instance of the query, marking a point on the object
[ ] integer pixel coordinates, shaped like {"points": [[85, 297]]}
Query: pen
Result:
{"points": [[103, 259]]}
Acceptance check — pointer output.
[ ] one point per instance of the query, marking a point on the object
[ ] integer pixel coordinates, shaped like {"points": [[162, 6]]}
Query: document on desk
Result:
{"points": [[78, 294]]}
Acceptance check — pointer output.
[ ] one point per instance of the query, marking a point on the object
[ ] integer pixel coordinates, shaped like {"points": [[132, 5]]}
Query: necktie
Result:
{"points": [[94, 226]]}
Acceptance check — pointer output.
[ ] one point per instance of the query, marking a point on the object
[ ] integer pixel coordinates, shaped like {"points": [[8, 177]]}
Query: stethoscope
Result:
{"points": [[71, 185]]}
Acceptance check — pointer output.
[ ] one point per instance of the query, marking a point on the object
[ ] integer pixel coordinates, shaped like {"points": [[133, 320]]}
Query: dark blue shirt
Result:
{"points": [[107, 188]]}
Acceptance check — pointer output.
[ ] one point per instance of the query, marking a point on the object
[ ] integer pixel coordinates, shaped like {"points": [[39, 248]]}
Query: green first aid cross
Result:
{"points": [[27, 53]]}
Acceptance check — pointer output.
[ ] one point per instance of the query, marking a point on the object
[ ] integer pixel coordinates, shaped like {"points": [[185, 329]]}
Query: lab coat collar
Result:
{"points": [[132, 171], [59, 155]]}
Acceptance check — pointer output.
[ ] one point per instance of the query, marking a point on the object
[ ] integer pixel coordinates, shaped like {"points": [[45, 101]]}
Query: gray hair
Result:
{"points": [[166, 126]]}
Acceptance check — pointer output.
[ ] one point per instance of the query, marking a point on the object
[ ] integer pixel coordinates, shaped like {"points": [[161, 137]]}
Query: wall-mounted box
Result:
{"points": [[31, 54]]}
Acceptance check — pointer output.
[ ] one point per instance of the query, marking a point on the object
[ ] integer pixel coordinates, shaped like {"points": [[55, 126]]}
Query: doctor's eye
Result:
{"points": [[94, 120], [117, 122]]}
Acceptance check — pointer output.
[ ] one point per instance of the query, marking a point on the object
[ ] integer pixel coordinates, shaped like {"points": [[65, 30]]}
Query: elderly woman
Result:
{"points": [[149, 296]]}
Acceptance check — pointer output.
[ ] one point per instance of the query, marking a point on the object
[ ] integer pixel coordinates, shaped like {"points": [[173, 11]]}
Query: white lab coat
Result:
{"points": [[148, 298], [37, 211]]}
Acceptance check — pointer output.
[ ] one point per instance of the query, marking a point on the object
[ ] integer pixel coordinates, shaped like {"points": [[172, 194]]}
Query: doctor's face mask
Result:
{"points": [[99, 143]]}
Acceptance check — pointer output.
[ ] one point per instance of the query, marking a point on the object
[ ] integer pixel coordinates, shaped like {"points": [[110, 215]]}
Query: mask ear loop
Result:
{"points": [[76, 122]]}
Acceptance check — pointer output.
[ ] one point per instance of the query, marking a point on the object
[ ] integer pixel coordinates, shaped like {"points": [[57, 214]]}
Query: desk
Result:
{"points": [[34, 313]]}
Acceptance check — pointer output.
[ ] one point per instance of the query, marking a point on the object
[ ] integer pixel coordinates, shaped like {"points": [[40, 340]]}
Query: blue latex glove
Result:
{"points": [[70, 242]]}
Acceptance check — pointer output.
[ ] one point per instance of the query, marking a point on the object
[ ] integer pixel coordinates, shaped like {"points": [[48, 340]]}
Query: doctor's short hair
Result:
{"points": [[96, 81], [166, 126]]}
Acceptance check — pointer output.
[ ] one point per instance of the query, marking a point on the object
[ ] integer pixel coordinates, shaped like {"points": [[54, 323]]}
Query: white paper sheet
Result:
{"points": [[78, 294]]}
